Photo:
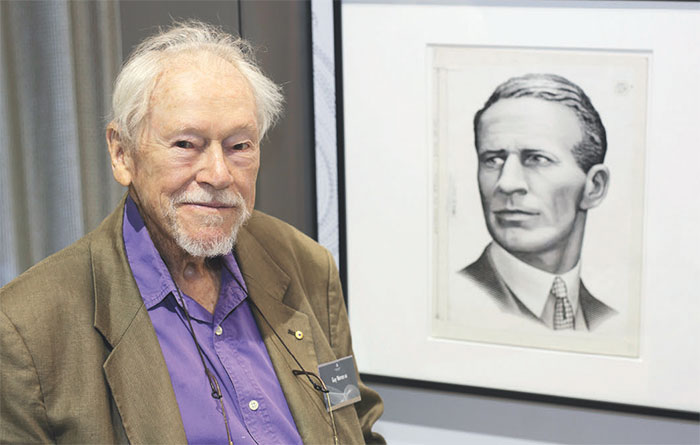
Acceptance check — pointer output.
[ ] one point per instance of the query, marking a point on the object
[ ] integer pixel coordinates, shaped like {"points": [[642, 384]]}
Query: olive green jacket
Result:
{"points": [[80, 361]]}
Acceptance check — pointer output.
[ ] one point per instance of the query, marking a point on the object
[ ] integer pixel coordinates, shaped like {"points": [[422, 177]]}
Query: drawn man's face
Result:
{"points": [[531, 187]]}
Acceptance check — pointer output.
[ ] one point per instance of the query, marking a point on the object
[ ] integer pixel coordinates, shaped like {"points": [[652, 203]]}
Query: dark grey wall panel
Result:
{"points": [[140, 19], [281, 30]]}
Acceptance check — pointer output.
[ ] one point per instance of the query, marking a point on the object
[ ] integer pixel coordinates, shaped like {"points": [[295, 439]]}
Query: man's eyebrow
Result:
{"points": [[492, 152], [530, 151], [247, 127], [197, 131]]}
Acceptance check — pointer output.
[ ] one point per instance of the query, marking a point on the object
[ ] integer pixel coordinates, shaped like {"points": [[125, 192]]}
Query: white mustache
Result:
{"points": [[201, 196]]}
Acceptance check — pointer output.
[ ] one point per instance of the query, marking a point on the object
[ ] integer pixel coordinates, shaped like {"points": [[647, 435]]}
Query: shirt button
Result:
{"points": [[299, 335], [253, 405], [218, 330]]}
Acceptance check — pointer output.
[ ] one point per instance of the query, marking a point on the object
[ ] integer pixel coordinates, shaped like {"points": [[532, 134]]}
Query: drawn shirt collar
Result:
{"points": [[531, 285]]}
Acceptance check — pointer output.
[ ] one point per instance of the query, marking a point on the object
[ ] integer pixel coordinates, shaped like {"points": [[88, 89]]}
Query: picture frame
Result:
{"points": [[387, 185]]}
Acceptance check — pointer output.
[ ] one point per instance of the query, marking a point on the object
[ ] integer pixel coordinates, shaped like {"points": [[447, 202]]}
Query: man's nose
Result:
{"points": [[215, 169], [512, 177]]}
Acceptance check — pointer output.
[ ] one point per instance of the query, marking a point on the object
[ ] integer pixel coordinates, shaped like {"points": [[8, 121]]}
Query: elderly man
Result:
{"points": [[186, 316], [540, 145]]}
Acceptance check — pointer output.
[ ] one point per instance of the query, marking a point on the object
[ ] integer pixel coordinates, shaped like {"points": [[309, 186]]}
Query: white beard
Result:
{"points": [[212, 246]]}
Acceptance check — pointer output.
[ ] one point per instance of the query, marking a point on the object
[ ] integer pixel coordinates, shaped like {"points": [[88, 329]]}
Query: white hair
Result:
{"points": [[137, 79]]}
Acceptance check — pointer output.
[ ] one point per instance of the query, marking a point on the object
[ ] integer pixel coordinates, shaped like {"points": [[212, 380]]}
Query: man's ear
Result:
{"points": [[597, 182], [122, 162]]}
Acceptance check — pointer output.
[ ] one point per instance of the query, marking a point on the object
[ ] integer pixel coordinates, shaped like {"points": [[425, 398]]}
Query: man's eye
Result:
{"points": [[493, 161], [184, 144], [537, 159], [241, 146]]}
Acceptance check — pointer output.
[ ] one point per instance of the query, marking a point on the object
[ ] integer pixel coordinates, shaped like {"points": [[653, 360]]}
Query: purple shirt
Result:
{"points": [[231, 343]]}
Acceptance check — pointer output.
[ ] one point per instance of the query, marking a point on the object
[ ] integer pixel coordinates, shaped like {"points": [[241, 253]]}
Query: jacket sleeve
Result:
{"points": [[23, 417], [370, 407]]}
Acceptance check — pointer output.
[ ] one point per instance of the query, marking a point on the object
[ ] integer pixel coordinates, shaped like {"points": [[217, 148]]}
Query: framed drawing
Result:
{"points": [[539, 194], [518, 188]]}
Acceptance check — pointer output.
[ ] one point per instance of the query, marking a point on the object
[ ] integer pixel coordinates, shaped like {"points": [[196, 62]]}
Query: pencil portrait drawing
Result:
{"points": [[541, 148]]}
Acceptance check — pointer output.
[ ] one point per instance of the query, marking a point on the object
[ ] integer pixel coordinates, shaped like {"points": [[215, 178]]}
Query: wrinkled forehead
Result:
{"points": [[203, 75], [201, 89]]}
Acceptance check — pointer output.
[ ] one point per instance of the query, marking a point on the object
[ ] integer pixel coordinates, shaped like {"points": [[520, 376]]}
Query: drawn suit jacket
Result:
{"points": [[80, 361], [483, 272]]}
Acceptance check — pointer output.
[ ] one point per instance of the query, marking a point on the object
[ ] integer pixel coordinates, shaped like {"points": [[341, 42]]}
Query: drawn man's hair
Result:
{"points": [[591, 150], [137, 79]]}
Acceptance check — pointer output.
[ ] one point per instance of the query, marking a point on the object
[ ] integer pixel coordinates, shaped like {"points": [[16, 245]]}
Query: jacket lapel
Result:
{"points": [[267, 287], [135, 368], [594, 311]]}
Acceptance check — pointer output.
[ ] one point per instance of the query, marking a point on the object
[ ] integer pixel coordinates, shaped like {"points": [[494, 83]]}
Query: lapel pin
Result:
{"points": [[298, 334]]}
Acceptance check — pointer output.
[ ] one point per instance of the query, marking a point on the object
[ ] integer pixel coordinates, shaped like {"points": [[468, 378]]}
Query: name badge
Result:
{"points": [[340, 378]]}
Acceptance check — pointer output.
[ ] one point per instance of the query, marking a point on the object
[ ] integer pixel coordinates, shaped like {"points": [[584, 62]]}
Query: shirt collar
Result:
{"points": [[233, 289], [152, 276], [532, 285]]}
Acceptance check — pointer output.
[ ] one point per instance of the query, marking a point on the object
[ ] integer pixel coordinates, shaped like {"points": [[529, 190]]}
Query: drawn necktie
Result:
{"points": [[563, 312]]}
